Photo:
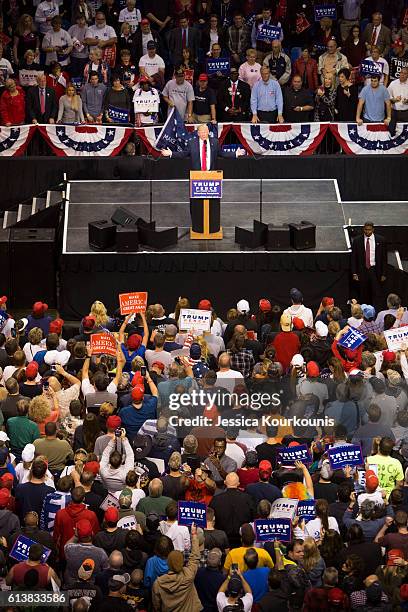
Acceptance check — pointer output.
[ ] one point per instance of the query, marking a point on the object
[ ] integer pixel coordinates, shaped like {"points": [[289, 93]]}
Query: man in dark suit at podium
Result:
{"points": [[203, 150], [368, 263]]}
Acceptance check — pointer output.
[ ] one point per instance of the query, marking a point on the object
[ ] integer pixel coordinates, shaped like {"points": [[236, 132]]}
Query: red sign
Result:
{"points": [[132, 302], [103, 344]]}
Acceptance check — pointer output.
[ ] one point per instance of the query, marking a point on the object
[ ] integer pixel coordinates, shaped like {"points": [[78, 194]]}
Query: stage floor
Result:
{"points": [[270, 200]]}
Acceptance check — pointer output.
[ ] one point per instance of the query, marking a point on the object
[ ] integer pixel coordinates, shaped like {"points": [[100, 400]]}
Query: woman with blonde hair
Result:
{"points": [[181, 303], [70, 107], [25, 38], [100, 314], [313, 563], [44, 409], [33, 345]]}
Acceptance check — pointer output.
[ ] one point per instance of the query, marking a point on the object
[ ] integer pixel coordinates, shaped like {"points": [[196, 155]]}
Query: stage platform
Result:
{"points": [[167, 202]]}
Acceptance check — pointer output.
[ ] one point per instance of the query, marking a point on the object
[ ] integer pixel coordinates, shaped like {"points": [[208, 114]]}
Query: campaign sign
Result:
{"points": [[191, 318], [77, 83], [306, 509], [369, 68], [136, 301], [220, 64], [206, 189], [146, 103], [230, 148], [397, 338], [118, 115], [21, 548], [28, 78], [340, 456], [273, 529], [268, 32], [284, 508], [289, 454], [128, 522], [352, 339], [192, 512], [103, 344], [325, 10], [109, 501]]}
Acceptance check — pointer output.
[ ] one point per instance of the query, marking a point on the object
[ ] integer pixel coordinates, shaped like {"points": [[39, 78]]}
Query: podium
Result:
{"points": [[205, 205]]}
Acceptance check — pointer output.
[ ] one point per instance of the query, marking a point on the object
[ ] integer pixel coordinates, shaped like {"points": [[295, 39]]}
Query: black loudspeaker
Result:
{"points": [[158, 240], [102, 235], [278, 237], [142, 223], [5, 261], [33, 248], [123, 216], [127, 239], [303, 235], [251, 239]]}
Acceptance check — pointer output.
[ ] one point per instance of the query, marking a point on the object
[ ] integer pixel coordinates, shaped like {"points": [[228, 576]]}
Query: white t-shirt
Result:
{"points": [[235, 452], [178, 534], [151, 65], [247, 601], [87, 388], [22, 475], [299, 310], [30, 350], [312, 528], [59, 39], [133, 18], [137, 495], [46, 11], [6, 70], [105, 33], [229, 379]]}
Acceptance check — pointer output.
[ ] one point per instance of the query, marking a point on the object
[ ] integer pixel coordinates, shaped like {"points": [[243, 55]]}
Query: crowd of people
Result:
{"points": [[88, 61], [97, 452]]}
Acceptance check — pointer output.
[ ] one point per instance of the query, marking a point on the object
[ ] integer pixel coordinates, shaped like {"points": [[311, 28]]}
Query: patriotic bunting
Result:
{"points": [[14, 140], [280, 139], [371, 138], [85, 140]]}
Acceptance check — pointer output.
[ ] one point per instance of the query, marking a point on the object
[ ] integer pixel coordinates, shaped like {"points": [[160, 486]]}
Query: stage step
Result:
{"points": [[10, 218], [53, 198], [38, 204], [23, 212]]}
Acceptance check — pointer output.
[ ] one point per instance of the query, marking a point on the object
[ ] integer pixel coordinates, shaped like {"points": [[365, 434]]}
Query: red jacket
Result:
{"points": [[12, 108], [351, 359], [65, 523], [300, 66]]}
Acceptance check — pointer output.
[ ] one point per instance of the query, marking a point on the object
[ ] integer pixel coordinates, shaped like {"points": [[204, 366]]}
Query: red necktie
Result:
{"points": [[184, 39], [42, 101], [234, 89], [373, 36], [367, 255], [204, 156]]}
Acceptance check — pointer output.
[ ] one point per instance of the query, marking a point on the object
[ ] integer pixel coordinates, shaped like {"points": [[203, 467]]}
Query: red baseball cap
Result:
{"points": [[145, 22], [113, 422], [158, 364], [312, 369], [137, 394], [31, 370], [327, 301], [394, 553], [203, 77], [134, 341], [88, 323], [398, 44], [298, 323], [56, 326], [204, 305], [4, 497], [265, 467], [371, 481], [111, 515], [84, 528], [92, 466], [265, 305], [39, 308], [388, 355], [3, 299]]}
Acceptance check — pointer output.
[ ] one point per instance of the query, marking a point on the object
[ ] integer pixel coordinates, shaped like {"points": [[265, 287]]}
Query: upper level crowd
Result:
{"points": [[218, 60]]}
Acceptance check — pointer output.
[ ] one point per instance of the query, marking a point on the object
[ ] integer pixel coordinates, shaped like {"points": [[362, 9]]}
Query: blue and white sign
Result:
{"points": [[273, 529], [352, 339], [21, 548], [325, 10], [306, 509], [369, 68], [230, 148], [221, 65], [283, 508], [340, 456], [192, 512], [206, 189], [268, 32], [289, 454], [118, 115]]}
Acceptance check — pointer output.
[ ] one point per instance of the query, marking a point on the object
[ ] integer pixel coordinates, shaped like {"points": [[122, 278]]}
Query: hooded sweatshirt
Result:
{"points": [[65, 523], [155, 567]]}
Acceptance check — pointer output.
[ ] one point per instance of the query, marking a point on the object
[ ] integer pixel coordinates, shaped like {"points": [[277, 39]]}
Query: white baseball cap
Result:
{"points": [[297, 361], [28, 453], [321, 329], [243, 306]]}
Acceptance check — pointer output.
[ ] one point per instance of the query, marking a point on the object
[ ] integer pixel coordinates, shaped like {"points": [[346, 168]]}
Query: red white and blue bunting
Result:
{"points": [[85, 140], [14, 140], [280, 139], [371, 138]]}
